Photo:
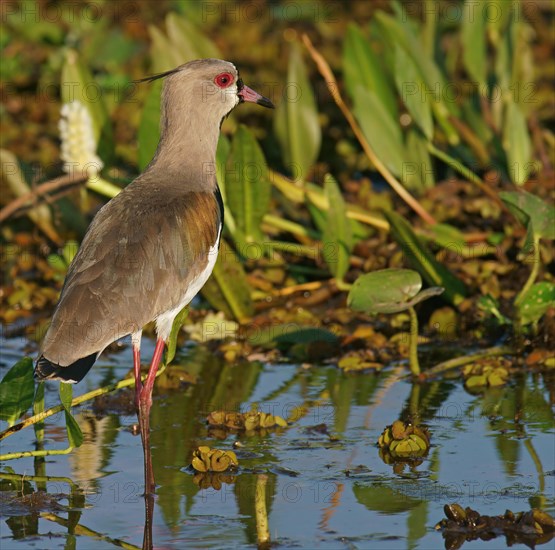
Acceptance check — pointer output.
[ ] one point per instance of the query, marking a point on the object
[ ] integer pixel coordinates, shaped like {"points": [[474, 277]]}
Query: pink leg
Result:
{"points": [[146, 392], [145, 402], [137, 371]]}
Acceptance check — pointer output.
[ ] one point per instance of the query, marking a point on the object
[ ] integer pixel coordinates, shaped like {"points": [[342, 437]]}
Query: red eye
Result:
{"points": [[224, 80]]}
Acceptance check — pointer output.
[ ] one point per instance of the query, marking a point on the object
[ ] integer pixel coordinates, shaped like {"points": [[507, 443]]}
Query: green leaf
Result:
{"points": [[70, 249], [401, 33], [418, 168], [296, 124], [227, 289], [536, 302], [490, 305], [183, 43], [66, 395], [361, 66], [435, 273], [149, 127], [17, 389], [247, 185], [222, 153], [532, 212], [382, 132], [337, 239], [57, 262], [411, 89], [384, 291], [388, 291], [473, 38], [289, 333], [162, 53], [304, 335], [448, 237], [176, 327], [188, 41], [74, 433], [38, 407], [517, 144]]}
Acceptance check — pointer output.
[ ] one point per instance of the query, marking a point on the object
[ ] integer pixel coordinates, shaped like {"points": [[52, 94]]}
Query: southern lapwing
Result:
{"points": [[150, 249]]}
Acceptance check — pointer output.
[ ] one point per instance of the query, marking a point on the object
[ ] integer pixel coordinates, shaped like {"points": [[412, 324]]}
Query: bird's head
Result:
{"points": [[213, 85]]}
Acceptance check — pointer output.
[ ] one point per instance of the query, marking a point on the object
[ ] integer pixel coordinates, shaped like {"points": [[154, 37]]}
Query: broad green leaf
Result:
{"points": [[289, 333], [227, 289], [448, 237], [380, 129], [498, 15], [411, 88], [319, 216], [361, 66], [305, 335], [473, 37], [247, 186], [472, 114], [418, 169], [388, 291], [337, 239], [523, 70], [517, 144], [532, 212], [69, 250], [296, 124], [401, 34], [222, 152], [384, 291], [435, 273], [74, 433], [188, 40], [162, 53], [66, 395], [17, 389], [536, 302], [149, 127], [38, 407], [176, 327]]}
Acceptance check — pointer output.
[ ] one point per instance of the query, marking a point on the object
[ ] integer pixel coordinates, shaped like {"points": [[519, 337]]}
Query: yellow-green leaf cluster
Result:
{"points": [[404, 440], [492, 373], [249, 421], [206, 459]]}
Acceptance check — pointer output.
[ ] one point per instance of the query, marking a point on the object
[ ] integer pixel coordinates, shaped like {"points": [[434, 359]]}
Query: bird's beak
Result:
{"points": [[246, 94]]}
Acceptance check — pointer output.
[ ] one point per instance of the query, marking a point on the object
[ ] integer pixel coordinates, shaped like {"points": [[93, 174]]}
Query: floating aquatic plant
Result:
{"points": [[206, 459], [404, 440]]}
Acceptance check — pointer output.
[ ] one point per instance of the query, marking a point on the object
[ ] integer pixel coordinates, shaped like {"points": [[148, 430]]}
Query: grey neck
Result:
{"points": [[187, 149]]}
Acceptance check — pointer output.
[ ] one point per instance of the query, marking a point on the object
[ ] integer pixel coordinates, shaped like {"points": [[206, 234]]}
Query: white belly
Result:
{"points": [[164, 321]]}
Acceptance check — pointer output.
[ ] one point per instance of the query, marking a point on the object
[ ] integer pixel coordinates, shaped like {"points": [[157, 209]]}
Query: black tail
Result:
{"points": [[45, 369]]}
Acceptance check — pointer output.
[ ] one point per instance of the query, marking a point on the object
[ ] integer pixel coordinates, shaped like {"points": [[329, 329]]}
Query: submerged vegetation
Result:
{"points": [[408, 149]]}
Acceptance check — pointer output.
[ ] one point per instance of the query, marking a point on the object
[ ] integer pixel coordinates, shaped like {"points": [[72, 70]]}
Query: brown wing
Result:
{"points": [[134, 263]]}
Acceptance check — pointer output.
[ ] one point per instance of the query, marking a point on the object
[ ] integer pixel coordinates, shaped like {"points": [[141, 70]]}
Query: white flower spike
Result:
{"points": [[78, 143]]}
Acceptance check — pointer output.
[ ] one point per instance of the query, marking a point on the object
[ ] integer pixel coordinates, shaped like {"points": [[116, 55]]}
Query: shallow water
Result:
{"points": [[327, 486]]}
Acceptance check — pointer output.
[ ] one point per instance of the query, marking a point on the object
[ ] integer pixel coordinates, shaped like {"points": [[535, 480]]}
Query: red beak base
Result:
{"points": [[248, 95]]}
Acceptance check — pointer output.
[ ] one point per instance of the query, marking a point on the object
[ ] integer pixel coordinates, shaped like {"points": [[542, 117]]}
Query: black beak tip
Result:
{"points": [[265, 102]]}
